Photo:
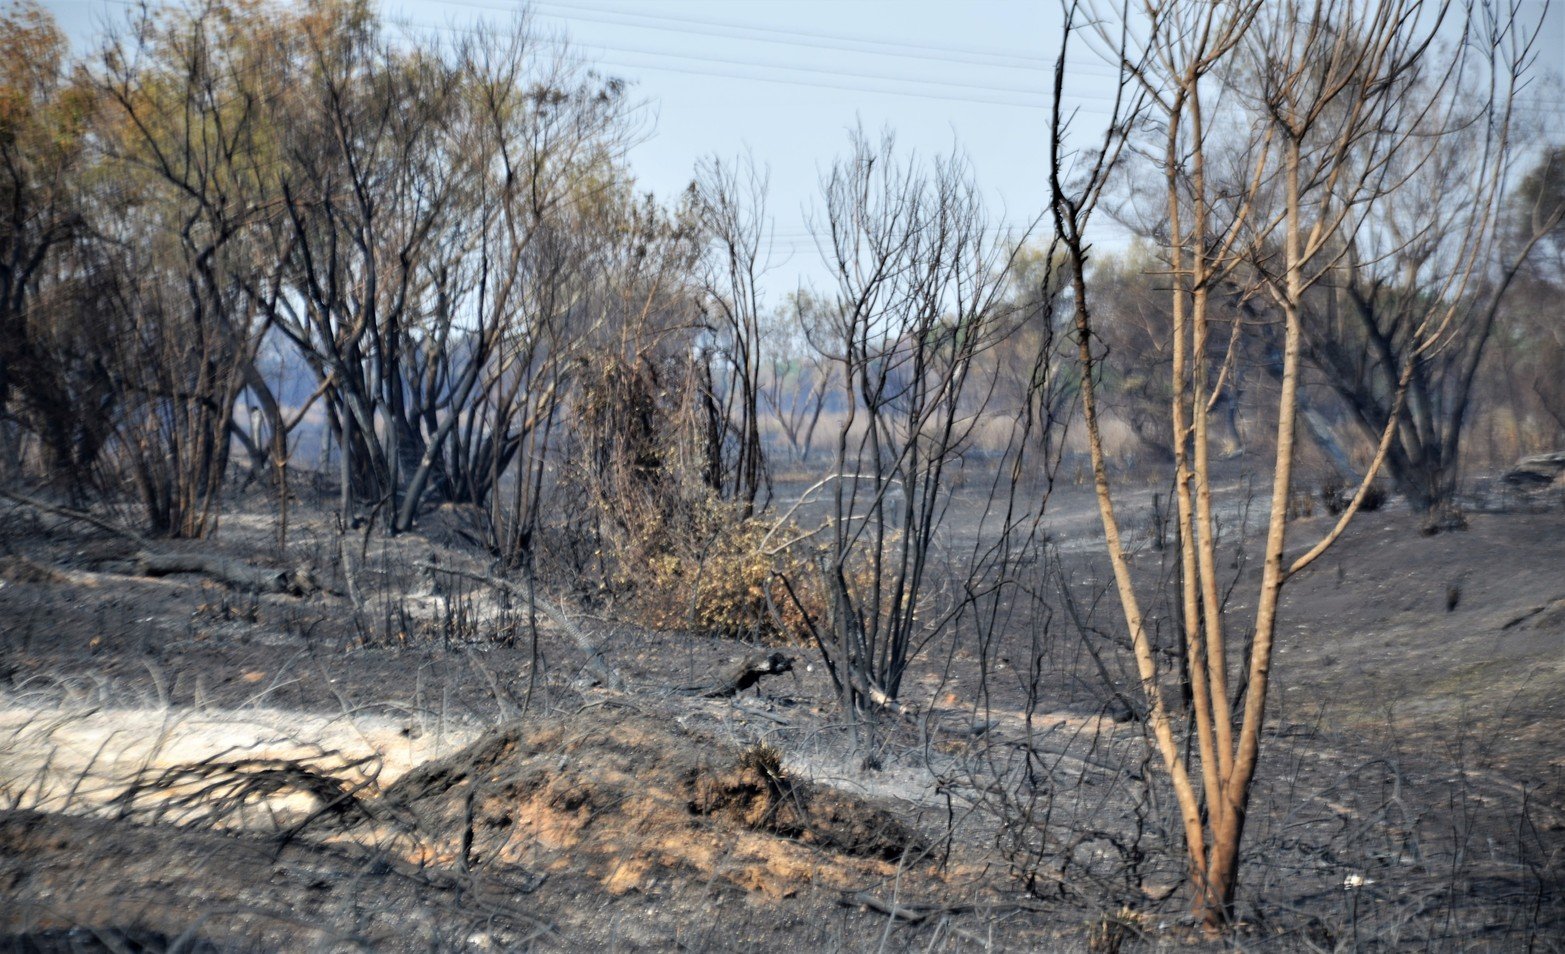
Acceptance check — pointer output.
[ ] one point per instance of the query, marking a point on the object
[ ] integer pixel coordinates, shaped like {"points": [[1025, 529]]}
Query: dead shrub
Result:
{"points": [[723, 587], [1110, 931], [1374, 499], [1336, 494], [749, 793], [654, 529]]}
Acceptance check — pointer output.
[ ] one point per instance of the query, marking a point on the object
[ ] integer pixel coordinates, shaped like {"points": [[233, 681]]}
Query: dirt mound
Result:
{"points": [[636, 799], [520, 838]]}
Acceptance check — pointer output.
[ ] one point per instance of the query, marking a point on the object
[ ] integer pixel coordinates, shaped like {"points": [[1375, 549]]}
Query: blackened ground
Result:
{"points": [[1412, 791]]}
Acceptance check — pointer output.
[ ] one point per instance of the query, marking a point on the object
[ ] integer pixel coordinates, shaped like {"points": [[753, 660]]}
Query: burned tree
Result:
{"points": [[1332, 131]]}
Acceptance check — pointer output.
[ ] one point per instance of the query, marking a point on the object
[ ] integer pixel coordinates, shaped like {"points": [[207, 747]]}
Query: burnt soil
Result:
{"points": [[396, 763]]}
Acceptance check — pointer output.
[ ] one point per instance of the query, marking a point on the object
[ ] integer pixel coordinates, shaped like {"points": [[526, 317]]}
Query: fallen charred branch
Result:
{"points": [[220, 788], [234, 574], [150, 562], [746, 673]]}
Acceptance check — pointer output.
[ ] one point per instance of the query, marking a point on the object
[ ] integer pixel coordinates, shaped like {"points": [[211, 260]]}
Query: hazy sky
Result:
{"points": [[787, 79]]}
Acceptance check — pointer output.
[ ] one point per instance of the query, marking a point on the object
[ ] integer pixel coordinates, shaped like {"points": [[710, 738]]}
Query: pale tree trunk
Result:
{"points": [[1327, 82]]}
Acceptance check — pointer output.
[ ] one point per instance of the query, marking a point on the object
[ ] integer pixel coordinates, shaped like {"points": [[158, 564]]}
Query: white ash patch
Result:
{"points": [[84, 760]]}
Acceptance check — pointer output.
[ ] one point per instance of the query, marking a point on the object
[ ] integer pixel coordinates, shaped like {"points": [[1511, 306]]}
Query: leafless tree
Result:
{"points": [[918, 299], [1333, 134], [1531, 358], [539, 135], [1422, 280], [731, 204], [187, 135], [371, 192], [795, 389], [428, 205], [1035, 374]]}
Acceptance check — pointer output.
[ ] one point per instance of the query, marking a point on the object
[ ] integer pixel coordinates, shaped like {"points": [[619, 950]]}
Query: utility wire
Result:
{"points": [[935, 91], [731, 29], [852, 74], [926, 89], [1077, 95]]}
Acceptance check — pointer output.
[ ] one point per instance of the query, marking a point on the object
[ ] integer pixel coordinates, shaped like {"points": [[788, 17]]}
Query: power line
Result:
{"points": [[754, 77], [934, 93], [907, 86], [931, 89], [1026, 60], [1084, 96], [852, 74], [732, 29], [724, 61]]}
